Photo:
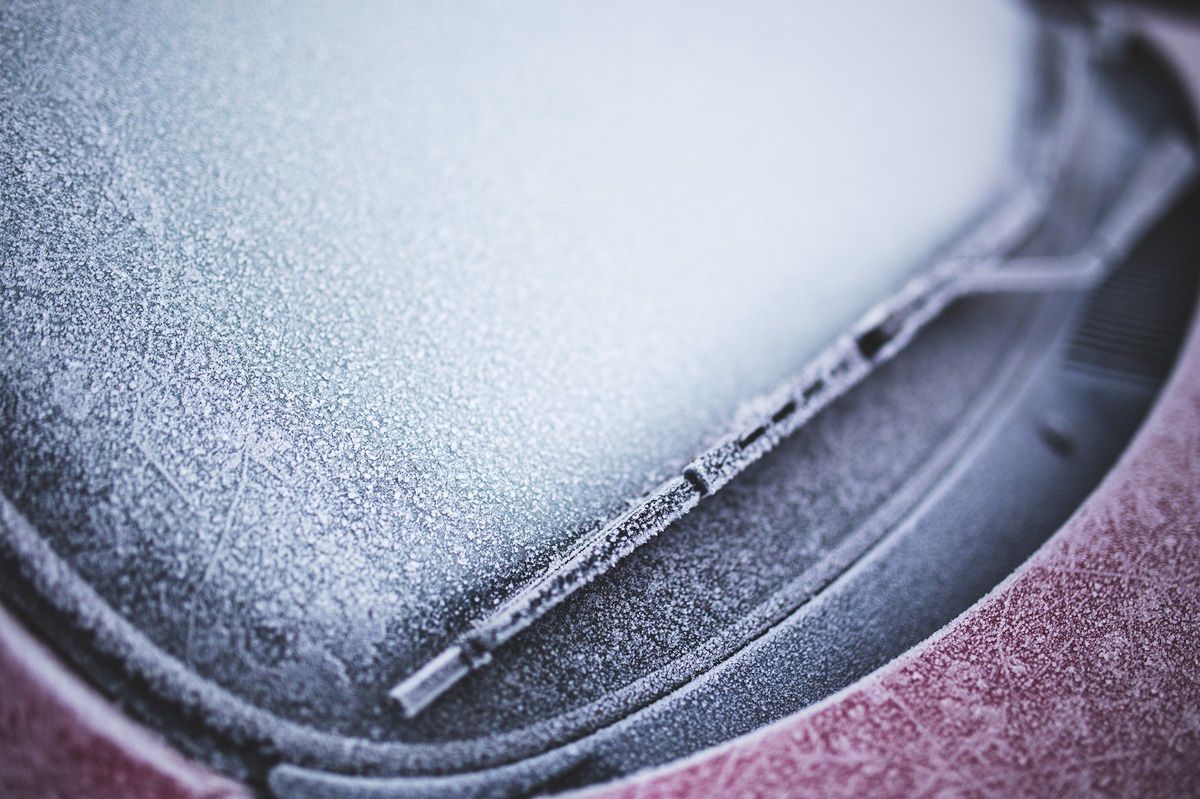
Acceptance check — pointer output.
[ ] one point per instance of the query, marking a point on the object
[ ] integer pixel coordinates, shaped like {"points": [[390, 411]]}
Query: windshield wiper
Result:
{"points": [[978, 263]]}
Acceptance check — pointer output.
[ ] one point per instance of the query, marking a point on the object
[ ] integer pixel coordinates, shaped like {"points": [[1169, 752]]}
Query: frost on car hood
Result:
{"points": [[323, 330]]}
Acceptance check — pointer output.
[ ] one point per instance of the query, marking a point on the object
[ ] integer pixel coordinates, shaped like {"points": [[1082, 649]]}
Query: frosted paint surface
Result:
{"points": [[49, 716], [351, 319]]}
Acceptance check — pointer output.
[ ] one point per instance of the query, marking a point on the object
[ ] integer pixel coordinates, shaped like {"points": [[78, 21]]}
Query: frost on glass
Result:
{"points": [[360, 316]]}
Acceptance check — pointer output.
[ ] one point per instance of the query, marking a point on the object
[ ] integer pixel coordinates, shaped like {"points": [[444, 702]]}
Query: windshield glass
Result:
{"points": [[383, 307]]}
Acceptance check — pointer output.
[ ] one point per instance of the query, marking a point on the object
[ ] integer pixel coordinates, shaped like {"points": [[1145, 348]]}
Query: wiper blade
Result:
{"points": [[880, 335]]}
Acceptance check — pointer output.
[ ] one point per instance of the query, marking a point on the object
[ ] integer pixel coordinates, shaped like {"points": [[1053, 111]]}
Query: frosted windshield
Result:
{"points": [[459, 280]]}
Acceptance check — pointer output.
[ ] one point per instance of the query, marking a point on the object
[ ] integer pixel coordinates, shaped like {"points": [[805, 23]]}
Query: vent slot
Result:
{"points": [[1132, 325]]}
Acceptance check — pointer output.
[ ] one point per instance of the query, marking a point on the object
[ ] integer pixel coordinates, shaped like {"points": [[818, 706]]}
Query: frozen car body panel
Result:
{"points": [[59, 738]]}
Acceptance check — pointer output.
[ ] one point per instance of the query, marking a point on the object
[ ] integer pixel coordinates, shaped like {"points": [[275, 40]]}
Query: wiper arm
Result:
{"points": [[880, 335]]}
